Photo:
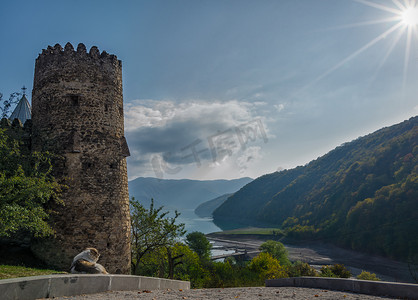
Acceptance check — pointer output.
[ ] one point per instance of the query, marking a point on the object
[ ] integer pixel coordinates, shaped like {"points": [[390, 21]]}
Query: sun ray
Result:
{"points": [[388, 52], [398, 4], [406, 59], [366, 23], [402, 17], [379, 6], [353, 55], [415, 30]]}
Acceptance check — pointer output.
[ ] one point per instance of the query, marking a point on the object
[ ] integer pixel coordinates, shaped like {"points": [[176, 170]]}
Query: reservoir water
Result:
{"points": [[195, 223]]}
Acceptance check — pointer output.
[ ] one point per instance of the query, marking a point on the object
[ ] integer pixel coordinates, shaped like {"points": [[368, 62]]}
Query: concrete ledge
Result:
{"points": [[49, 286], [376, 288]]}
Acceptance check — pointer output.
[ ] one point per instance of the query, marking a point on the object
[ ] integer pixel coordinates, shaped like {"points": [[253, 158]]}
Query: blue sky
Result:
{"points": [[225, 89]]}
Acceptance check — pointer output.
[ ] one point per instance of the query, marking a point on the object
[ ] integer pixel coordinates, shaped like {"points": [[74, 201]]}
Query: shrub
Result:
{"points": [[267, 267], [341, 271], [301, 269], [364, 275], [326, 272], [337, 270]]}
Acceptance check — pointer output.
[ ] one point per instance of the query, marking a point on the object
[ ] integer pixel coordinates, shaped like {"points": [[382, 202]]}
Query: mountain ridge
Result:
{"points": [[205, 210], [182, 193], [353, 188]]}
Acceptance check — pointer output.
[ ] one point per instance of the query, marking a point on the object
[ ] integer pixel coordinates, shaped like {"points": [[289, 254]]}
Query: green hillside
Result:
{"points": [[182, 193], [205, 210], [362, 195]]}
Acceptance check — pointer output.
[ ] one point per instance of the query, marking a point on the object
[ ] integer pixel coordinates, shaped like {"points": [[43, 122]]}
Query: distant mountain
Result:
{"points": [[362, 195], [183, 193], [205, 210]]}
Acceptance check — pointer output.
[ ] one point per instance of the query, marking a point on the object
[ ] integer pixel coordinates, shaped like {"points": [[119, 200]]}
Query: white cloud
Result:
{"points": [[249, 156], [279, 107], [153, 113], [165, 136]]}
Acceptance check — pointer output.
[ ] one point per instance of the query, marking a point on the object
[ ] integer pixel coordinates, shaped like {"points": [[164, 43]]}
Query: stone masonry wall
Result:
{"points": [[77, 113]]}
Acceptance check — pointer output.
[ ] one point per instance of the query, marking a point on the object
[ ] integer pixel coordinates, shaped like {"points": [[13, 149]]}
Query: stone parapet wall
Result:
{"points": [[377, 288], [51, 286]]}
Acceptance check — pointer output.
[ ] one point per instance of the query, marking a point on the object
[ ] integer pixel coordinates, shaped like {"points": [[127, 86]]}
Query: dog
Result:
{"points": [[86, 263]]}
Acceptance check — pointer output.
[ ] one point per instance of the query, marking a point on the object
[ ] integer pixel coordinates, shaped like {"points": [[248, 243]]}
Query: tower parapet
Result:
{"points": [[77, 113], [57, 57]]}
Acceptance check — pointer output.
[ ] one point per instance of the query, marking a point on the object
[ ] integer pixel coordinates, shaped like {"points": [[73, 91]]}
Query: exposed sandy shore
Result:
{"points": [[318, 254], [258, 293]]}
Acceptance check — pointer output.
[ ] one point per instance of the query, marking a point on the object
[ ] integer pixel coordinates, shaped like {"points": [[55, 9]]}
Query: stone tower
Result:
{"points": [[77, 113]]}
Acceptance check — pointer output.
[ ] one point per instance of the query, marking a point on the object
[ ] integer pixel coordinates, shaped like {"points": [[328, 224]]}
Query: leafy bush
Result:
{"points": [[267, 267], [337, 270], [299, 269], [364, 275], [326, 272]]}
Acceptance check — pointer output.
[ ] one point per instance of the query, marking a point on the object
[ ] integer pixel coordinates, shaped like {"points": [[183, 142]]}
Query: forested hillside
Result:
{"points": [[205, 210], [183, 193], [362, 195]]}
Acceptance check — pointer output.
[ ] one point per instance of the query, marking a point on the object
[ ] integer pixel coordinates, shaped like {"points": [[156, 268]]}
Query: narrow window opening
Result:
{"points": [[75, 100]]}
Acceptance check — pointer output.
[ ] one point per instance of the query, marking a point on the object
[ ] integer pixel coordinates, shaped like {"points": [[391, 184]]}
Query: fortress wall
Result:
{"points": [[77, 113]]}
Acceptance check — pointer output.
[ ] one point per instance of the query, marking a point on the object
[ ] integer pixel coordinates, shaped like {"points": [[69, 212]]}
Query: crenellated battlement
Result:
{"points": [[80, 52], [66, 62]]}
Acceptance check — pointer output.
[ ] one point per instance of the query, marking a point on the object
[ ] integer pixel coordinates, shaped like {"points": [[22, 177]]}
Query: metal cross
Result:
{"points": [[24, 90]]}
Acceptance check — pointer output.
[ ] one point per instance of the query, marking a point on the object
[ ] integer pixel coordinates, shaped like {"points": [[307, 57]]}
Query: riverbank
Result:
{"points": [[318, 254]]}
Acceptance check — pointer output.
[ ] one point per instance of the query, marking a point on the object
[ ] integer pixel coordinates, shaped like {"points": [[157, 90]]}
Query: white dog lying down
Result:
{"points": [[86, 263]]}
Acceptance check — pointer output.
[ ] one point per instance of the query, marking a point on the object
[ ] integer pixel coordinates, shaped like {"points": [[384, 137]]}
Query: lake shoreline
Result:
{"points": [[318, 254]]}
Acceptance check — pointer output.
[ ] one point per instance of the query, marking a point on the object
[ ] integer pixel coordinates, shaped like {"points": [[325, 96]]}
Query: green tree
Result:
{"points": [[267, 267], [26, 186], [6, 104], [277, 250], [188, 266], [151, 230], [198, 242]]}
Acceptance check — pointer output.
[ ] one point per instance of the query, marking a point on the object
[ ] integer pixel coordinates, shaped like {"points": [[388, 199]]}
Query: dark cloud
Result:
{"points": [[167, 135]]}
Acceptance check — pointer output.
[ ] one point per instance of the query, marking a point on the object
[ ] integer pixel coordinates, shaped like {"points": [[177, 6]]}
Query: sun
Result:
{"points": [[403, 18], [409, 16]]}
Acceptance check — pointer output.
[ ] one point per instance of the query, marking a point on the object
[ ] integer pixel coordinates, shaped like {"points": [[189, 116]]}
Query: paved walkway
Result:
{"points": [[252, 293]]}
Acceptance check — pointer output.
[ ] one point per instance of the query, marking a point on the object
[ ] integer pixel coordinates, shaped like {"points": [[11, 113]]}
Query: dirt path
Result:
{"points": [[261, 293], [317, 254]]}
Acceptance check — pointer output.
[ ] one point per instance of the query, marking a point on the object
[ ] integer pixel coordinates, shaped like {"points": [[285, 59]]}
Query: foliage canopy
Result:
{"points": [[198, 242], [26, 186], [151, 230], [276, 250]]}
